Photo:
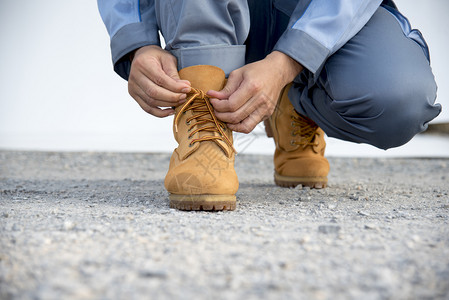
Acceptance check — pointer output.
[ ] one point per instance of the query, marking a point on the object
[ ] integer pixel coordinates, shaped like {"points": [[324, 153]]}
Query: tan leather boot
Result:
{"points": [[299, 156], [201, 175]]}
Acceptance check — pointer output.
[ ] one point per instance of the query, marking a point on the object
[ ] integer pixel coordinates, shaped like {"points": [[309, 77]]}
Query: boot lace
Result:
{"points": [[203, 112], [306, 129]]}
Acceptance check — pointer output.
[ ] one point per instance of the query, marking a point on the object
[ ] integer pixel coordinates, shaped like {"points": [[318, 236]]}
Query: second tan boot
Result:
{"points": [[299, 155], [201, 174]]}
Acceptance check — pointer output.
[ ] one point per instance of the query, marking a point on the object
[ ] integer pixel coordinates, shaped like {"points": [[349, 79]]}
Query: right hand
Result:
{"points": [[154, 81]]}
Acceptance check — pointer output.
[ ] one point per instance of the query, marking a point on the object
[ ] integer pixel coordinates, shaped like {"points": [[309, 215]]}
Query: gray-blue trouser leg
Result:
{"points": [[201, 32], [377, 89]]}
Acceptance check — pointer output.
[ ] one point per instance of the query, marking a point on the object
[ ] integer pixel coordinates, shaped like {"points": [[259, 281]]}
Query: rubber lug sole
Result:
{"points": [[291, 182], [203, 202]]}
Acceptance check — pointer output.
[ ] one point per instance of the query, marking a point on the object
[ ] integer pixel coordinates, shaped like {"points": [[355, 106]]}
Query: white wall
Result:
{"points": [[58, 90], [431, 18]]}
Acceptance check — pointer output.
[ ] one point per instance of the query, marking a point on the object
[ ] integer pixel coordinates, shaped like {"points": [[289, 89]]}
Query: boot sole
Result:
{"points": [[291, 182], [203, 202]]}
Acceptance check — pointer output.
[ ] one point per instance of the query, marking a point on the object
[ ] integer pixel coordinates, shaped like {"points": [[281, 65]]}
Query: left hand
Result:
{"points": [[252, 91]]}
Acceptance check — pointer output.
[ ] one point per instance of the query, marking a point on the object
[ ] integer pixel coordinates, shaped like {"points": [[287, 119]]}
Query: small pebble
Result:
{"points": [[329, 229]]}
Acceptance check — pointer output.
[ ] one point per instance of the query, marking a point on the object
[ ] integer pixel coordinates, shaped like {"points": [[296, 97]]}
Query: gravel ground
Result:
{"points": [[98, 226]]}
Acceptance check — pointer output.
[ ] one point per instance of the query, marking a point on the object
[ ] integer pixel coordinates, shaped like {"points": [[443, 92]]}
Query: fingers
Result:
{"points": [[154, 81], [252, 91], [153, 70], [244, 101], [245, 126], [246, 118], [154, 110], [233, 83], [231, 98], [152, 93], [238, 90], [246, 105], [248, 124], [169, 66]]}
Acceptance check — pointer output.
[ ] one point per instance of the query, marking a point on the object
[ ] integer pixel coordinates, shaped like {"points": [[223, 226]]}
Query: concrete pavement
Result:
{"points": [[98, 226]]}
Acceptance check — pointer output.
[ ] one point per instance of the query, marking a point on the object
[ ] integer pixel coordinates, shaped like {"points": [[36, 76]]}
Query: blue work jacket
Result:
{"points": [[317, 28]]}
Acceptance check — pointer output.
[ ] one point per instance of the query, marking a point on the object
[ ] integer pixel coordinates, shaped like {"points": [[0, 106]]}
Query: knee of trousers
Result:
{"points": [[401, 109], [386, 112]]}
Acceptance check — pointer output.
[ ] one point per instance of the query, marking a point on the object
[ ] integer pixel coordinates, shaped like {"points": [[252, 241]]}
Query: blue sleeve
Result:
{"points": [[131, 24], [318, 28]]}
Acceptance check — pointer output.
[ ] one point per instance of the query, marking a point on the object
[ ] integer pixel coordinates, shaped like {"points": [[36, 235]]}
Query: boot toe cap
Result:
{"points": [[194, 183]]}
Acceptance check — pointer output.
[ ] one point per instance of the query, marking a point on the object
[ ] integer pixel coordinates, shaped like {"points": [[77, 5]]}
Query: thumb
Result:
{"points": [[231, 86], [169, 66]]}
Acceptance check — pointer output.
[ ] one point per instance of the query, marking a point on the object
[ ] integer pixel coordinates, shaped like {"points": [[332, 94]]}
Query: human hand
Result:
{"points": [[252, 92], [154, 81]]}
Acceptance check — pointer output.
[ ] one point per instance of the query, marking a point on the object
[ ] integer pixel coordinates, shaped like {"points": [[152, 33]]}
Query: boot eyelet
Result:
{"points": [[292, 142], [190, 145], [293, 133], [293, 124], [188, 122]]}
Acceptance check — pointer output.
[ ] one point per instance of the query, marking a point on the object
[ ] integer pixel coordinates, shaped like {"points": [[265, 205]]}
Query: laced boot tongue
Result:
{"points": [[306, 129], [203, 123]]}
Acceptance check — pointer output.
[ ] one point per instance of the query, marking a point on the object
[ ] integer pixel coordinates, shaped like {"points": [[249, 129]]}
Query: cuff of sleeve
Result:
{"points": [[127, 39], [303, 48], [226, 57]]}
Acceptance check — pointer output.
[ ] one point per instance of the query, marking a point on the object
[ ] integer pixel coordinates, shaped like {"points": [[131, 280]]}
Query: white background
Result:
{"points": [[58, 90]]}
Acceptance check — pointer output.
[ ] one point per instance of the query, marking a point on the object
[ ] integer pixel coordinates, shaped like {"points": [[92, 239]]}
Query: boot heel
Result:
{"points": [[203, 202], [318, 182]]}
